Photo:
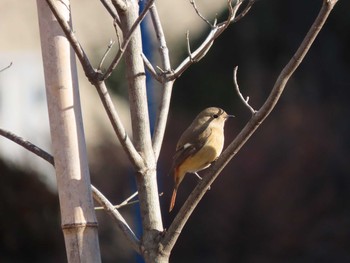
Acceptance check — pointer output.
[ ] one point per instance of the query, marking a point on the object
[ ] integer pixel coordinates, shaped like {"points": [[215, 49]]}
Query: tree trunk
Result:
{"points": [[147, 177]]}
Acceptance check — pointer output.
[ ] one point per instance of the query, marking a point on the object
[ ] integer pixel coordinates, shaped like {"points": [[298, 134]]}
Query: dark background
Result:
{"points": [[285, 196]]}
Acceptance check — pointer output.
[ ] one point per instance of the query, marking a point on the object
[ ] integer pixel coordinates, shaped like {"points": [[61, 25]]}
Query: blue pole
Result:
{"points": [[147, 49]]}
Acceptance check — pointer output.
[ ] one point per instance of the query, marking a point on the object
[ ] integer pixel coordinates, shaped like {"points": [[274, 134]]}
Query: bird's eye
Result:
{"points": [[215, 116]]}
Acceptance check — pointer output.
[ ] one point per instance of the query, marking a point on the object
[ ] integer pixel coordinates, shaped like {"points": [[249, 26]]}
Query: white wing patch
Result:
{"points": [[186, 145]]}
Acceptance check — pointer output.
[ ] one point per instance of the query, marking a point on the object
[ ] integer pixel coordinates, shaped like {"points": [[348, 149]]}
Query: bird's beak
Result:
{"points": [[230, 116]]}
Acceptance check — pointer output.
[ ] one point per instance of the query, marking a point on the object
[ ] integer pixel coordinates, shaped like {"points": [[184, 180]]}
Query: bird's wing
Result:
{"points": [[189, 149]]}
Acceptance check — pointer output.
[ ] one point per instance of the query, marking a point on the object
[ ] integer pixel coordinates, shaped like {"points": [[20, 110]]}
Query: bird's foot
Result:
{"points": [[200, 178]]}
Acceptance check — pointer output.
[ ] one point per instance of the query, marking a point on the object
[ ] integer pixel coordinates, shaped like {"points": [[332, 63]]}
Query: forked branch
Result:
{"points": [[193, 57], [94, 77], [215, 32], [255, 121], [126, 202], [114, 213], [126, 40]]}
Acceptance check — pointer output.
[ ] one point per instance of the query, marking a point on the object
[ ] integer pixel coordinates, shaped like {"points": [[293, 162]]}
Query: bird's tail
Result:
{"points": [[172, 202]]}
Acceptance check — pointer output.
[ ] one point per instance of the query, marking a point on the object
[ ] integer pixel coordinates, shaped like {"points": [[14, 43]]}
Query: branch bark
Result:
{"points": [[257, 118]]}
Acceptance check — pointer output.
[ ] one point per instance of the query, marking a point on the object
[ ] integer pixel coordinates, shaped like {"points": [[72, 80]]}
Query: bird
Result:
{"points": [[199, 145]]}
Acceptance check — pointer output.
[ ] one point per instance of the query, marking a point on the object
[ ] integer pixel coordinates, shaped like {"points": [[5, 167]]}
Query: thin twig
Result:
{"points": [[213, 171], [232, 11], [128, 199], [122, 224], [199, 52], [189, 46], [6, 67], [193, 3], [124, 203], [110, 45], [245, 101], [98, 196], [127, 39], [214, 33]]}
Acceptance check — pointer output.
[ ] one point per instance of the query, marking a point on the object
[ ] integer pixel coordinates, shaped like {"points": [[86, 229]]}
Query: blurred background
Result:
{"points": [[285, 197]]}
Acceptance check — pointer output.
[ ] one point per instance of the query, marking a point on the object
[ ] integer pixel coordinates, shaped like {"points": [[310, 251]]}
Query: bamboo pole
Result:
{"points": [[78, 218]]}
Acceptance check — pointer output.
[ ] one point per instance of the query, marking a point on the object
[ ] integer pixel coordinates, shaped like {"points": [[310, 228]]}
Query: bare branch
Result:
{"points": [[198, 53], [245, 101], [201, 51], [110, 45], [115, 24], [118, 126], [79, 51], [189, 46], [28, 145], [245, 11], [232, 10], [111, 10], [127, 38], [124, 203], [212, 172], [162, 117], [151, 69], [163, 108], [6, 67], [122, 224], [98, 196]]}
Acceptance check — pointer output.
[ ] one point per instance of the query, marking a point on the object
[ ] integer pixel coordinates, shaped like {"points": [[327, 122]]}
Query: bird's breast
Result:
{"points": [[207, 154]]}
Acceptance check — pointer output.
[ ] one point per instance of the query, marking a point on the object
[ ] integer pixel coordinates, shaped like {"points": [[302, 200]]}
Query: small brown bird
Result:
{"points": [[200, 144]]}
